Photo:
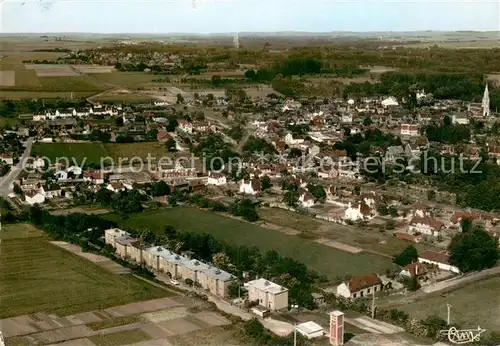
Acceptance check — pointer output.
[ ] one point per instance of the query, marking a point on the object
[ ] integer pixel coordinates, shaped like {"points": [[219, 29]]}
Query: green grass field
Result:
{"points": [[476, 304], [324, 259], [140, 149], [91, 152], [37, 276]]}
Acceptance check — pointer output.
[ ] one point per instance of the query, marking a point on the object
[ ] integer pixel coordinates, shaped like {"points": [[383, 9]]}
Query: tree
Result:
{"points": [[466, 224], [473, 250], [291, 198], [409, 255], [412, 283], [234, 290], [119, 121], [180, 99], [382, 209], [367, 121], [17, 189], [431, 195], [250, 74], [265, 182], [171, 144]]}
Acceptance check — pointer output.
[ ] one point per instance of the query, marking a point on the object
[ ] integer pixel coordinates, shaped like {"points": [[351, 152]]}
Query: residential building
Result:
{"points": [[251, 187], [34, 197], [111, 234], [267, 294], [409, 130], [425, 225], [413, 270], [358, 212], [362, 286], [439, 259], [7, 158], [185, 126], [216, 178], [306, 199]]}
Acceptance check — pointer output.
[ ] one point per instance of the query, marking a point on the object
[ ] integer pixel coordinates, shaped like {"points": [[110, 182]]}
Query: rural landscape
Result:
{"points": [[249, 189]]}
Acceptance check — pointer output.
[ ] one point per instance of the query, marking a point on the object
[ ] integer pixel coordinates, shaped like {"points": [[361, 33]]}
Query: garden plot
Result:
{"points": [[90, 69], [7, 78], [52, 70]]}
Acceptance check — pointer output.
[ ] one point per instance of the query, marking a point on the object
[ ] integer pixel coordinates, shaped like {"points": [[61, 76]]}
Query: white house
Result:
{"points": [[358, 212], [439, 259], [111, 234], [363, 286], [117, 187], [390, 102], [346, 118], [251, 187], [185, 126], [267, 294], [460, 119], [7, 158], [306, 199], [96, 177], [34, 197], [217, 179], [425, 225], [290, 140]]}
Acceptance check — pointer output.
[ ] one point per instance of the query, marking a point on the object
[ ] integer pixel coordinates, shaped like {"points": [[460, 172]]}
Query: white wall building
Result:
{"points": [[267, 294], [310, 330], [217, 179], [440, 259], [358, 212]]}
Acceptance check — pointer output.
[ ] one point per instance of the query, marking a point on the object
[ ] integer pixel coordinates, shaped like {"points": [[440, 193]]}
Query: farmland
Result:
{"points": [[324, 259], [472, 305], [38, 276], [82, 153]]}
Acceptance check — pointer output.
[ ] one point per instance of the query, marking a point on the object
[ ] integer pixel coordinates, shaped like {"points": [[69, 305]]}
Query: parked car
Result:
{"points": [[174, 282]]}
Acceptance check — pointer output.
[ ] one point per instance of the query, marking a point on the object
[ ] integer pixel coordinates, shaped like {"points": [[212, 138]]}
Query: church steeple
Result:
{"points": [[486, 102]]}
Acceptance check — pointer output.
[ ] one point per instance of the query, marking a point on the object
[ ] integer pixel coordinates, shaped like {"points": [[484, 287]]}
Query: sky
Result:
{"points": [[220, 16]]}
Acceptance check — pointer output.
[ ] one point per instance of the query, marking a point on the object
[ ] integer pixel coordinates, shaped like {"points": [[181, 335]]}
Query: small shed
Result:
{"points": [[261, 311], [310, 330]]}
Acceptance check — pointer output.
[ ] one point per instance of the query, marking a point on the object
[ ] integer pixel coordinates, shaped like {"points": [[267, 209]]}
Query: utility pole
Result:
{"points": [[373, 304], [448, 306], [294, 335]]}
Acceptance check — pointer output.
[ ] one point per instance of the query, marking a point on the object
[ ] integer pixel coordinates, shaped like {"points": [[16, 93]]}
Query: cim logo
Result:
{"points": [[463, 336]]}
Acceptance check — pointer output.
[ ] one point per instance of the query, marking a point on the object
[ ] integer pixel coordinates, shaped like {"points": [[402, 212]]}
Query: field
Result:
{"points": [[37, 276], [140, 149], [324, 259], [93, 152], [472, 305], [126, 79], [82, 153], [370, 240], [7, 78]]}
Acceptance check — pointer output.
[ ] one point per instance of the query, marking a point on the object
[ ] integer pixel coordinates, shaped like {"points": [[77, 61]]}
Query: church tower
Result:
{"points": [[486, 102]]}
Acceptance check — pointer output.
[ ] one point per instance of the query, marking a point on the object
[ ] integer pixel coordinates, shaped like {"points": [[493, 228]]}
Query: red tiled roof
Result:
{"points": [[357, 284], [435, 224], [416, 269], [440, 257]]}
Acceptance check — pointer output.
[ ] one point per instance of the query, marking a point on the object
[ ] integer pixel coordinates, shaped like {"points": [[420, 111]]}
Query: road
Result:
{"points": [[6, 183]]}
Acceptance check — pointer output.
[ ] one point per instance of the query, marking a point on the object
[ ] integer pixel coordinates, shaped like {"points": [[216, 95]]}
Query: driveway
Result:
{"points": [[6, 183]]}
